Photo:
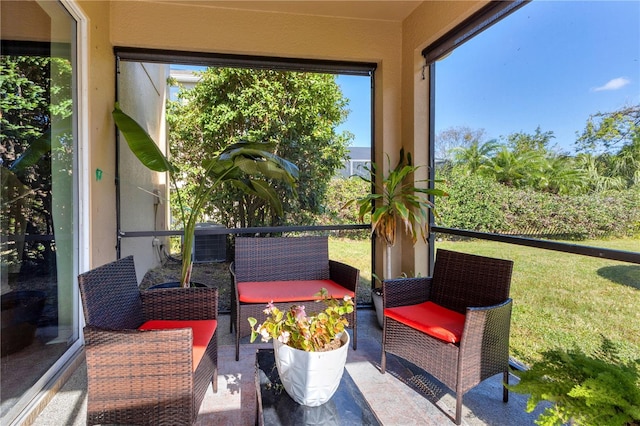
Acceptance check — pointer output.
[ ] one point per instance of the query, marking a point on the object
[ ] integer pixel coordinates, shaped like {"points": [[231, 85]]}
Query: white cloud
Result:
{"points": [[615, 84]]}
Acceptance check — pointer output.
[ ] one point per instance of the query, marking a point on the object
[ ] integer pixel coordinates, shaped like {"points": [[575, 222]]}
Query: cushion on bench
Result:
{"points": [[203, 331], [430, 318], [288, 291]]}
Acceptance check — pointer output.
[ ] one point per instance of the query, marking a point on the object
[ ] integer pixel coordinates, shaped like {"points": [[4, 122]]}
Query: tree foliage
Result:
{"points": [[299, 112], [454, 137], [609, 131], [35, 92], [523, 186]]}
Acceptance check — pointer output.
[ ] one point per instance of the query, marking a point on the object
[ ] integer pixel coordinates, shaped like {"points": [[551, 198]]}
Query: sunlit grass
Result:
{"points": [[356, 253], [560, 300]]}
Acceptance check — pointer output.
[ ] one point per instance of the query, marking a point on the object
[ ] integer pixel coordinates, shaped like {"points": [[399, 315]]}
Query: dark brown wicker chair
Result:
{"points": [[287, 260], [144, 377], [478, 288]]}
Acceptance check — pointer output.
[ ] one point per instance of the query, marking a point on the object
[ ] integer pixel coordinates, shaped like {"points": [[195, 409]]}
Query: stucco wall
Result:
{"points": [[34, 23], [100, 95], [142, 94]]}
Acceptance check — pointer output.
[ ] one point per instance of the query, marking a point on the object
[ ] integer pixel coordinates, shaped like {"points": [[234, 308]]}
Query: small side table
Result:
{"points": [[275, 407]]}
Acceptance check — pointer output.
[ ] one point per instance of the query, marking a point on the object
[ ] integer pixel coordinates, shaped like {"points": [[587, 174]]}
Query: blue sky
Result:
{"points": [[358, 90], [550, 64]]}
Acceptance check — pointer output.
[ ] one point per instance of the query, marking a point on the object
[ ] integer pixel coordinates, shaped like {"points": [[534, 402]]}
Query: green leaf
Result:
{"points": [[140, 143], [33, 153]]}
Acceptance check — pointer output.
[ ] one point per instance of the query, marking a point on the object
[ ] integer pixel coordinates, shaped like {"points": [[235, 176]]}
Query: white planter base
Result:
{"points": [[311, 378]]}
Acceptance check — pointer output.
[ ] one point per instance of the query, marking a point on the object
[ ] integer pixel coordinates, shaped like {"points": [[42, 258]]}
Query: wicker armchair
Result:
{"points": [[292, 269], [474, 290], [146, 376]]}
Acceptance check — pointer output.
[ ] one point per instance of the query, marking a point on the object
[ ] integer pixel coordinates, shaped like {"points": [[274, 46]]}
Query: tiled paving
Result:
{"points": [[393, 399]]}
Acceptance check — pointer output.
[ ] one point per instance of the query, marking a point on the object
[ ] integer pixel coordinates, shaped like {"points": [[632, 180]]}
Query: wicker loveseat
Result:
{"points": [[150, 354], [454, 325], [286, 271]]}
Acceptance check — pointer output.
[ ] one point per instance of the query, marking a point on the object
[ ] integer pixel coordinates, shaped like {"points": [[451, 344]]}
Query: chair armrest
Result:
{"points": [[194, 303], [405, 291], [345, 275], [120, 362], [232, 270], [488, 324]]}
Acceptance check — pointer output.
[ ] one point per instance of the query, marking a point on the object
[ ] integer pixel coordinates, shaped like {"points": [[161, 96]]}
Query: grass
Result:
{"points": [[560, 300], [356, 253]]}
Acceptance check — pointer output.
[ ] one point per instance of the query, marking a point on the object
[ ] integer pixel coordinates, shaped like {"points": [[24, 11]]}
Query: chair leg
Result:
{"points": [[355, 330], [237, 345], [214, 380], [505, 391], [383, 358], [458, 408], [236, 322]]}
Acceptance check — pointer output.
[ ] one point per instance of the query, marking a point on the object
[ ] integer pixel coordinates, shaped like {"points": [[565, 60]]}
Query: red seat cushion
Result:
{"points": [[430, 318], [288, 291], [203, 331]]}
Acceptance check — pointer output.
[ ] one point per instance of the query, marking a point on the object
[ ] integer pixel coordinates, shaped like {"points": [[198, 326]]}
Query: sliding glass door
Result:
{"points": [[38, 204]]}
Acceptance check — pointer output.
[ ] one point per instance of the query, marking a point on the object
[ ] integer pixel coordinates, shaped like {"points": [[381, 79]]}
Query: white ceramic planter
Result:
{"points": [[311, 378]]}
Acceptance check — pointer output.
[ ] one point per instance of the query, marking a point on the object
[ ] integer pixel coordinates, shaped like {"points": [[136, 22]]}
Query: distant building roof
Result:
{"points": [[360, 153]]}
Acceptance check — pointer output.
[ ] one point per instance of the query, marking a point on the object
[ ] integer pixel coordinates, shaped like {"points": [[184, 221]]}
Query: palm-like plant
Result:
{"points": [[476, 156], [396, 200], [246, 165]]}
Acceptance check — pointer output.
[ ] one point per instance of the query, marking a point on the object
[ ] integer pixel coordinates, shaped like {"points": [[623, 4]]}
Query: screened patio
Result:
{"points": [[394, 43]]}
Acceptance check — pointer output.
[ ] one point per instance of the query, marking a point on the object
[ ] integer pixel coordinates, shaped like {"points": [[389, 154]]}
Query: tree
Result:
{"points": [[35, 93], [515, 169], [562, 176], [476, 156], [299, 112], [607, 131], [457, 137], [521, 142]]}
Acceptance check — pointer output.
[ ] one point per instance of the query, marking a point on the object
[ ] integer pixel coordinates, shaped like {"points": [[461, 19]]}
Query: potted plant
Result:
{"points": [[395, 200], [310, 349], [245, 164], [598, 389]]}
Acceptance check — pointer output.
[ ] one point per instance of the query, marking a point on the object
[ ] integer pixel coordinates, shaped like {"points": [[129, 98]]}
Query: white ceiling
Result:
{"points": [[359, 9]]}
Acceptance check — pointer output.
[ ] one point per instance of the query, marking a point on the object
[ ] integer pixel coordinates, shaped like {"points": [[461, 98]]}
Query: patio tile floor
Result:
{"points": [[394, 396]]}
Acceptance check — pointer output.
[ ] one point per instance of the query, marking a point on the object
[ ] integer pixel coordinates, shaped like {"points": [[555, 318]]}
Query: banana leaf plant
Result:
{"points": [[396, 200], [247, 165]]}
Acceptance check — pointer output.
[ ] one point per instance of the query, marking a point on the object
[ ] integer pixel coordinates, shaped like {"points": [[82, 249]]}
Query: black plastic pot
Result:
{"points": [[21, 311], [174, 284]]}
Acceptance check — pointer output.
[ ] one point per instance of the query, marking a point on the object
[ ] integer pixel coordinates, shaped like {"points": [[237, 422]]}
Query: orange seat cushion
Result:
{"points": [[203, 331], [430, 318], [288, 291]]}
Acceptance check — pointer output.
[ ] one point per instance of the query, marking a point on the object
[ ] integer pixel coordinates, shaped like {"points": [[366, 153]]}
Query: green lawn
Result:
{"points": [[560, 300], [356, 253]]}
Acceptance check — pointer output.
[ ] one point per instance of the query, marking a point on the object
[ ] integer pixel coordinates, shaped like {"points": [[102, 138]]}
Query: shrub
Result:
{"points": [[474, 202], [584, 390], [339, 191], [480, 204]]}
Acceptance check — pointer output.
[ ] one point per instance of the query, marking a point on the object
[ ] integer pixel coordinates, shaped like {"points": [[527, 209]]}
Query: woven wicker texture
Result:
{"points": [[284, 259], [474, 285], [143, 377]]}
